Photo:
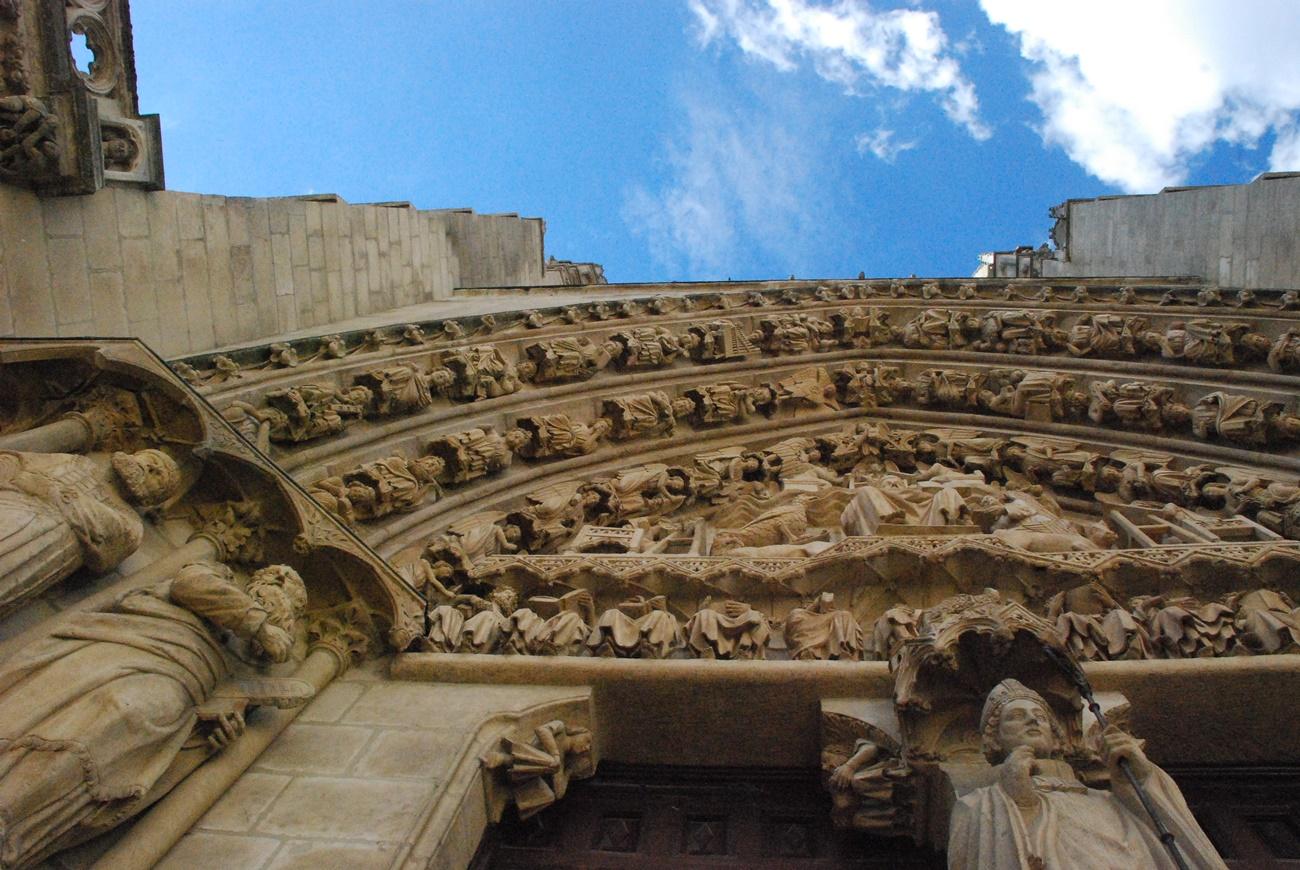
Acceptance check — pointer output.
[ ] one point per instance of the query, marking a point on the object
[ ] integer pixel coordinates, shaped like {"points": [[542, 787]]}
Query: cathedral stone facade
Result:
{"points": [[354, 535]]}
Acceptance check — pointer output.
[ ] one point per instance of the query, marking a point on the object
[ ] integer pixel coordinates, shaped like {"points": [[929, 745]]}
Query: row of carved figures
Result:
{"points": [[1200, 341], [642, 497], [1091, 623], [396, 484], [292, 415], [1096, 627], [490, 620]]}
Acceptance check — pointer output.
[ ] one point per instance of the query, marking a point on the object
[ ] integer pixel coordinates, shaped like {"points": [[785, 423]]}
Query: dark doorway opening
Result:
{"points": [[629, 817]]}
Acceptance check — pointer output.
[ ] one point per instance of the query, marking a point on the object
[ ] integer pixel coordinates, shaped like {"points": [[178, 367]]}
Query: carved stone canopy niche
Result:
{"points": [[69, 117], [82, 399]]}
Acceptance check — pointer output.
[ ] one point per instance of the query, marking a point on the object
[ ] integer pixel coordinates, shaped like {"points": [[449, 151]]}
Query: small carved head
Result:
{"points": [[150, 477], [1015, 715], [279, 591]]}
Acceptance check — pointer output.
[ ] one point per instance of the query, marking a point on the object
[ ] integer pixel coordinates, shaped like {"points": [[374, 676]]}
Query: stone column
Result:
{"points": [[70, 434]]}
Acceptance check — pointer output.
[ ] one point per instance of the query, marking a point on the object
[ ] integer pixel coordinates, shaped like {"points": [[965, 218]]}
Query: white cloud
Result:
{"points": [[1134, 90], [882, 145], [850, 44], [735, 180]]}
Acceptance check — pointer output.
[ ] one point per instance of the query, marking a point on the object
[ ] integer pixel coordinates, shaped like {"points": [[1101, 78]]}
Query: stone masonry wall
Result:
{"points": [[1232, 235], [188, 273]]}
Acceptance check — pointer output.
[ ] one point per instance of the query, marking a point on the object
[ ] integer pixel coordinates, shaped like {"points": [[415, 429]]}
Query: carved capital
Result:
{"points": [[234, 527], [347, 632]]}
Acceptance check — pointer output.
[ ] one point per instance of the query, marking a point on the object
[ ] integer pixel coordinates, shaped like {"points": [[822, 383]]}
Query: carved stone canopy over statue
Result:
{"points": [[1039, 814], [60, 511], [113, 707]]}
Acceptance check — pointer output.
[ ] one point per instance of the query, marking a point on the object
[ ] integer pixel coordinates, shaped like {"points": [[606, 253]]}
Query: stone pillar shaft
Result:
{"points": [[68, 435]]}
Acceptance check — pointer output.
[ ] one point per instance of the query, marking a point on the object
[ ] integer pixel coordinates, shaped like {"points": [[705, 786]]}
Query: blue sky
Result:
{"points": [[703, 139]]}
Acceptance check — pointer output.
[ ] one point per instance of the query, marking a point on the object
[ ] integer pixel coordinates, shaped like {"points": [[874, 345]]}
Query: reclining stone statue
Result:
{"points": [[112, 708]]}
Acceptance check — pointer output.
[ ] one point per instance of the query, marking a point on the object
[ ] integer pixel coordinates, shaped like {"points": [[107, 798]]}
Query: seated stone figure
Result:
{"points": [[1038, 813], [97, 717], [60, 511], [819, 631]]}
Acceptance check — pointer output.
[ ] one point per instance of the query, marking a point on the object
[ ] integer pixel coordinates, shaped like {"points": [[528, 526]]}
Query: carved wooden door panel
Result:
{"points": [[631, 818]]}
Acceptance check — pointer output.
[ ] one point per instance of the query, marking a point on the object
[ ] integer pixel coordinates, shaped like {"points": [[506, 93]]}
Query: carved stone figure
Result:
{"points": [[395, 484], [716, 341], [1106, 335], [1267, 622], [643, 491], [807, 390], [1181, 627], [29, 138], [720, 475], [821, 632], [1284, 355], [308, 411], [949, 388], [1208, 342], [1094, 627], [794, 334], [643, 415], [1242, 419], [479, 372], [939, 329], [395, 390], [475, 453], [937, 498], [1136, 405], [871, 385], [637, 628], [566, 359], [1020, 331], [60, 511], [645, 347], [470, 622], [785, 523], [1034, 395], [730, 630], [894, 627], [1038, 813], [862, 775], [537, 773], [726, 402], [97, 717], [471, 538], [862, 327], [553, 514], [559, 435]]}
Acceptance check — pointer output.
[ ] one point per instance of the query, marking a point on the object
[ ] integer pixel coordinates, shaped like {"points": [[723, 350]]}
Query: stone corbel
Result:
{"points": [[533, 772], [871, 785]]}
